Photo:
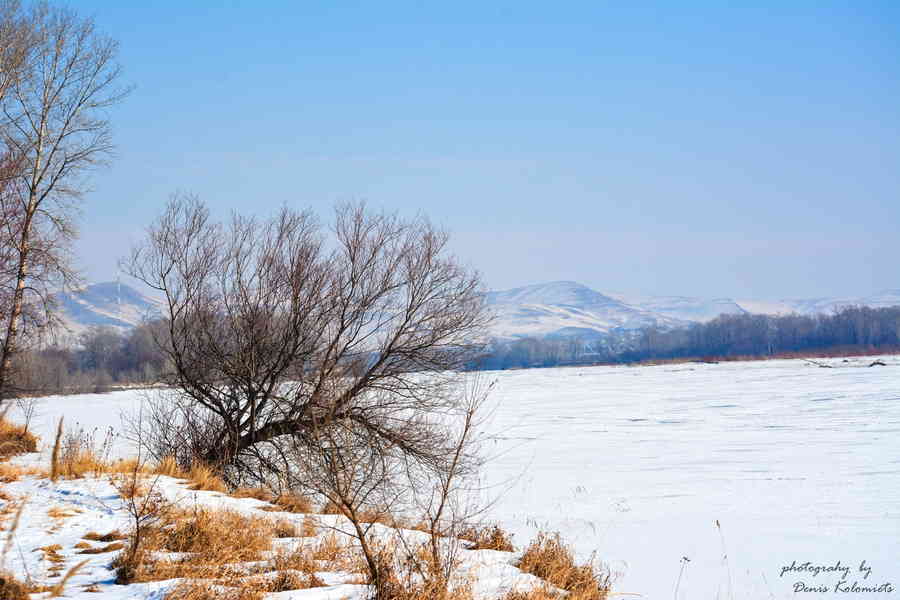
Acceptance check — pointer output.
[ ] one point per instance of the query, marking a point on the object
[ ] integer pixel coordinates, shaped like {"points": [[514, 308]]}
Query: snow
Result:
{"points": [[682, 308], [565, 308], [560, 308], [94, 505], [107, 304], [796, 463]]}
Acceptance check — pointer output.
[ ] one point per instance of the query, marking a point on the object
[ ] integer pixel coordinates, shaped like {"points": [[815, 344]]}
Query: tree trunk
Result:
{"points": [[15, 313]]}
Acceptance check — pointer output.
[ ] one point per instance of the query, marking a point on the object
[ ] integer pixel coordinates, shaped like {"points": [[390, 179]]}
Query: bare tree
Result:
{"points": [[273, 330], [54, 131], [16, 40]]}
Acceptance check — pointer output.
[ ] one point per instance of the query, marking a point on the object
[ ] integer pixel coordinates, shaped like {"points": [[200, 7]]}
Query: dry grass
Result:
{"points": [[11, 588], [127, 466], [310, 527], [214, 540], [203, 477], [10, 473], [378, 515], [59, 512], [331, 508], [129, 485], [329, 549], [54, 456], [61, 586], [487, 537], [548, 558], [213, 547], [103, 549], [286, 529], [541, 593], [256, 493], [168, 466], [194, 590], [15, 439], [294, 503], [398, 581], [78, 454], [112, 536]]}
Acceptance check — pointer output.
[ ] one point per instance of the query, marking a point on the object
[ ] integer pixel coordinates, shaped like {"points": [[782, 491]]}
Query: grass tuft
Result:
{"points": [[203, 477], [487, 537], [15, 439], [11, 588], [548, 558]]}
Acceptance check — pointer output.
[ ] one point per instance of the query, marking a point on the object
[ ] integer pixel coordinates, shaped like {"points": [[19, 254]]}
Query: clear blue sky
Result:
{"points": [[747, 149]]}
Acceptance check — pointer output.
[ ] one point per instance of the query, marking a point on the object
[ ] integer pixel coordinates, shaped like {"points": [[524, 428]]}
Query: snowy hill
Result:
{"points": [[109, 304], [554, 309], [683, 308], [566, 308], [826, 305]]}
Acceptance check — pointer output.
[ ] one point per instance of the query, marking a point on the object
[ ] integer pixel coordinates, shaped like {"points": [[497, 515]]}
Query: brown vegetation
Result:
{"points": [[11, 588], [15, 439], [103, 549], [112, 536], [203, 477], [550, 559], [487, 537]]}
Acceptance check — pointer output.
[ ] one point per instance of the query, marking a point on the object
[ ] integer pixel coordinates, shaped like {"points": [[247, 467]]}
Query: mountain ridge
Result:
{"points": [[552, 309]]}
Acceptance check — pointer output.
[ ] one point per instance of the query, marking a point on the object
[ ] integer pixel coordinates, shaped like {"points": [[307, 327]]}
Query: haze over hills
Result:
{"points": [[106, 304], [565, 308], [554, 309]]}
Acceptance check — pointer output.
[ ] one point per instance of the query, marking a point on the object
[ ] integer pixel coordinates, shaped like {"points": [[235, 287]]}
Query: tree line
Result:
{"points": [[849, 330], [103, 358], [853, 329]]}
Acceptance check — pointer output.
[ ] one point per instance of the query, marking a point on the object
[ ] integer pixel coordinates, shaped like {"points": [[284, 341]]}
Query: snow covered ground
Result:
{"points": [[63, 513], [798, 464]]}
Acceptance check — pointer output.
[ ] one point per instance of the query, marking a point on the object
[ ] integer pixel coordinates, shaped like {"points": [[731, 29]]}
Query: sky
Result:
{"points": [[743, 150]]}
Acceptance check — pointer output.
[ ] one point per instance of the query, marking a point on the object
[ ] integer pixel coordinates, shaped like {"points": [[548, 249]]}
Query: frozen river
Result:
{"points": [[798, 464]]}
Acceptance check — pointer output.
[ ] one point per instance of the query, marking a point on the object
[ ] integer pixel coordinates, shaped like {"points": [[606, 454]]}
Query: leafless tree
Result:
{"points": [[275, 329], [17, 37], [54, 131]]}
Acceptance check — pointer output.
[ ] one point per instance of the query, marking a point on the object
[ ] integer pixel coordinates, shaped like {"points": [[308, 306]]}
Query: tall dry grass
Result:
{"points": [[550, 559], [15, 438]]}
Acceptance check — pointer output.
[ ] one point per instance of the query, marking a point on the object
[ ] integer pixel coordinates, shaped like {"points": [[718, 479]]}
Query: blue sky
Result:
{"points": [[696, 148]]}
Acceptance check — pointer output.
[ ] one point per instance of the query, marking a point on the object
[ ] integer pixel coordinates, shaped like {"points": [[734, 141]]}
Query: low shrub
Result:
{"points": [[548, 558]]}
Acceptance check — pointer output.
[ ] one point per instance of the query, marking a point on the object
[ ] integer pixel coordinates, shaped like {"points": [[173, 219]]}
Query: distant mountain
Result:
{"points": [[111, 304], [566, 308], [826, 305], [683, 308], [555, 309]]}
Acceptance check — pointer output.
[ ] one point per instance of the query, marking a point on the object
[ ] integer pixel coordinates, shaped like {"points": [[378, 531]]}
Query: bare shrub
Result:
{"points": [[270, 332]]}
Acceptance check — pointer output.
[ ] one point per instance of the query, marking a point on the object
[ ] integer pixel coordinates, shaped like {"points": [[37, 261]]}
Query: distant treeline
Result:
{"points": [[102, 360], [850, 330]]}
